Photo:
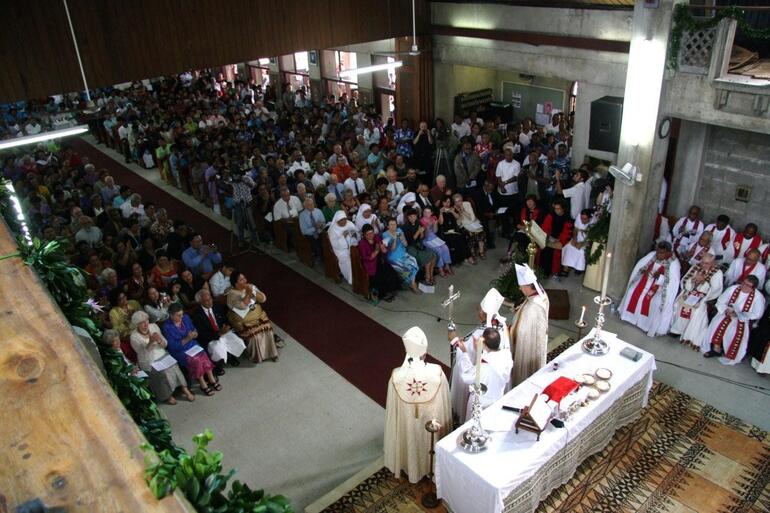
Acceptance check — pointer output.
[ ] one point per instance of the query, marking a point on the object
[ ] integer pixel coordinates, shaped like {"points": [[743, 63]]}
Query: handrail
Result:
{"points": [[67, 440]]}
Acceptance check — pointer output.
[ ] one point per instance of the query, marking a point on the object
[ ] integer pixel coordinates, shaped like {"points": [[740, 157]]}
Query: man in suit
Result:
{"points": [[210, 320], [487, 204]]}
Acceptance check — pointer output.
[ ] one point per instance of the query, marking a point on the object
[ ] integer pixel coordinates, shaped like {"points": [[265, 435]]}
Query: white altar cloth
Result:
{"points": [[479, 483]]}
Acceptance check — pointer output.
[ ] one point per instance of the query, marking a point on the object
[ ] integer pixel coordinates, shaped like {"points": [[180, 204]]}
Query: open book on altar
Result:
{"points": [[537, 235], [535, 417]]}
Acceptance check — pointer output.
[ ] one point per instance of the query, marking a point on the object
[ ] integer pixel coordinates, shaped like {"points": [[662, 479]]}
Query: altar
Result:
{"points": [[516, 471]]}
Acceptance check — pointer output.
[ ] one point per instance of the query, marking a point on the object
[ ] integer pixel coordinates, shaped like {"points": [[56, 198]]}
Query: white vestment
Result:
{"points": [[732, 333], [649, 300], [722, 243], [690, 311], [686, 232], [741, 244], [529, 335], [692, 253], [341, 238], [495, 373], [417, 393], [739, 270], [571, 255]]}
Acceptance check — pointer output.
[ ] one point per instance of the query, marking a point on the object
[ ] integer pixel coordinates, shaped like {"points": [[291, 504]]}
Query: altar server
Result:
{"points": [[529, 333], [728, 333], [652, 287], [701, 284], [495, 370]]}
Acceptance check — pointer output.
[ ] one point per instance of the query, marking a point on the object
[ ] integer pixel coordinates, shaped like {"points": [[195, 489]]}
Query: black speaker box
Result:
{"points": [[606, 117]]}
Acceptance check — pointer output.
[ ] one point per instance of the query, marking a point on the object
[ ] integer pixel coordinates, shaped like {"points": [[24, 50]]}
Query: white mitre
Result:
{"points": [[491, 305], [526, 276], [416, 381]]}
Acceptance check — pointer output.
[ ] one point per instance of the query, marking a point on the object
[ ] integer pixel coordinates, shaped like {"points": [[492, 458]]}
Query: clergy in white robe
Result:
{"points": [[722, 235], [746, 240], [702, 283], [342, 235], [759, 344], [687, 229], [745, 266], [691, 254], [728, 333], [489, 317], [662, 230], [495, 369], [652, 288], [529, 331], [417, 393], [573, 255]]}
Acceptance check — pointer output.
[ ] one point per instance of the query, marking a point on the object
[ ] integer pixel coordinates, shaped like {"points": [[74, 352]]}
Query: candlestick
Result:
{"points": [[582, 315], [606, 275], [479, 345]]}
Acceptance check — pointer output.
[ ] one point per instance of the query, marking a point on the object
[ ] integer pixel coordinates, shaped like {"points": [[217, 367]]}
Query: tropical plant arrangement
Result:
{"points": [[507, 283], [168, 464]]}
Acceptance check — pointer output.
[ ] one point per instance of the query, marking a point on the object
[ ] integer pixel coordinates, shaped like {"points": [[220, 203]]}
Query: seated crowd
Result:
{"points": [[263, 160], [704, 284], [167, 300]]}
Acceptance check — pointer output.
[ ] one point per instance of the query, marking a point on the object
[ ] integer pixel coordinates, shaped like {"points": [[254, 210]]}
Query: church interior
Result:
{"points": [[406, 256]]}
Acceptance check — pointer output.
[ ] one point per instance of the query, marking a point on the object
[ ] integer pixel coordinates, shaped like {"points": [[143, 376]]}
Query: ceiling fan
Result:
{"points": [[414, 51]]}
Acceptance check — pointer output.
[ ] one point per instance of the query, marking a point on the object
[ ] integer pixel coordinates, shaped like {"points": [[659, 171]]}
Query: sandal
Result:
{"points": [[217, 386], [483, 256], [171, 401], [190, 397], [208, 391]]}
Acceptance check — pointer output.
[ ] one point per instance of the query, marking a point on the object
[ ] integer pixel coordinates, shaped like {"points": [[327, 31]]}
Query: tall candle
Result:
{"points": [[479, 346], [582, 315], [606, 275]]}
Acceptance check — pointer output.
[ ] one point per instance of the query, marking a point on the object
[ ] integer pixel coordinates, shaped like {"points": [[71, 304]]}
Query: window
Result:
{"points": [[295, 70], [385, 79], [259, 71], [344, 61]]}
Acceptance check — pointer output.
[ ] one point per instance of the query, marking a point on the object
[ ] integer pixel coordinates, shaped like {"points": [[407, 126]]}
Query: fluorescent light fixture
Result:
{"points": [[371, 69], [45, 136]]}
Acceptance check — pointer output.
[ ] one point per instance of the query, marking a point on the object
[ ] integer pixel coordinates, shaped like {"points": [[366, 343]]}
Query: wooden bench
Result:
{"points": [[331, 264], [279, 233], [302, 246]]}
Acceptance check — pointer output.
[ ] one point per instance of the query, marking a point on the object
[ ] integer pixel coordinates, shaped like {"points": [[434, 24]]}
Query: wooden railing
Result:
{"points": [[67, 440]]}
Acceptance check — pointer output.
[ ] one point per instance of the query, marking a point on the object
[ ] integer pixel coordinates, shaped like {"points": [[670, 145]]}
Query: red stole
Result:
{"points": [[684, 229], [640, 287], [756, 240], [725, 238], [746, 272], [719, 334]]}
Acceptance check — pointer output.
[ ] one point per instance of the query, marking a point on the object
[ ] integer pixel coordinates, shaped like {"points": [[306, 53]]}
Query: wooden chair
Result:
{"points": [[360, 278], [279, 232], [331, 264], [301, 245]]}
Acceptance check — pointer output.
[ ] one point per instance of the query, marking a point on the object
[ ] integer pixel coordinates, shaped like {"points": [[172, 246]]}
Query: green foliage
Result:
{"points": [[597, 234], [507, 283], [685, 22], [199, 476]]}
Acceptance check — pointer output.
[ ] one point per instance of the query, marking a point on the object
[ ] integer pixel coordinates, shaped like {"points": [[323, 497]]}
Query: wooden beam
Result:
{"points": [[66, 437], [534, 38]]}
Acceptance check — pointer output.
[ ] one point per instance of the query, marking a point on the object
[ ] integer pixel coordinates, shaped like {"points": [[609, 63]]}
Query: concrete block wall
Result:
{"points": [[732, 158]]}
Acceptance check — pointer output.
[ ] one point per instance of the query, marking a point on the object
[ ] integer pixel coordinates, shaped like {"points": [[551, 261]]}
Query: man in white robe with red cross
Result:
{"points": [[728, 332], [651, 292]]}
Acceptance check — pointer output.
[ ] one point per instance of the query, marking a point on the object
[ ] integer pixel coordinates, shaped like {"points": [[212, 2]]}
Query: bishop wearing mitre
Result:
{"points": [[529, 331], [489, 316], [418, 392], [649, 300]]}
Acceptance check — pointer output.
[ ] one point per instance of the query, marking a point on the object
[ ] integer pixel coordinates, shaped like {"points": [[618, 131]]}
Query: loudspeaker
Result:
{"points": [[606, 117]]}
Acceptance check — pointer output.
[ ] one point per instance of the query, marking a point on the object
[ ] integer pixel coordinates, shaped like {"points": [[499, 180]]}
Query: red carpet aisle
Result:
{"points": [[356, 347]]}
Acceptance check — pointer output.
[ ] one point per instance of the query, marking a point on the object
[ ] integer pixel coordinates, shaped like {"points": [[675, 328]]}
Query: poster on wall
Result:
{"points": [[516, 100], [548, 108]]}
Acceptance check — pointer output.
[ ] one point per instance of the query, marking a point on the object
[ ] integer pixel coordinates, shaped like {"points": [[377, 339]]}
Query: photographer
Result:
{"points": [[240, 186]]}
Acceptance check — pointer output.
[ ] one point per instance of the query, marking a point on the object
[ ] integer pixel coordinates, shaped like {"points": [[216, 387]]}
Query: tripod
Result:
{"points": [[251, 248], [441, 163]]}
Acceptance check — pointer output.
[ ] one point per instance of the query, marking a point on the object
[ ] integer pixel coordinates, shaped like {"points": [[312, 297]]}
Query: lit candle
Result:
{"points": [[582, 315], [479, 346], [606, 275]]}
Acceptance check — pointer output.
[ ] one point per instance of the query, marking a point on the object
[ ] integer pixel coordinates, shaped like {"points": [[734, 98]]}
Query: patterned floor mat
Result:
{"points": [[681, 456]]}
